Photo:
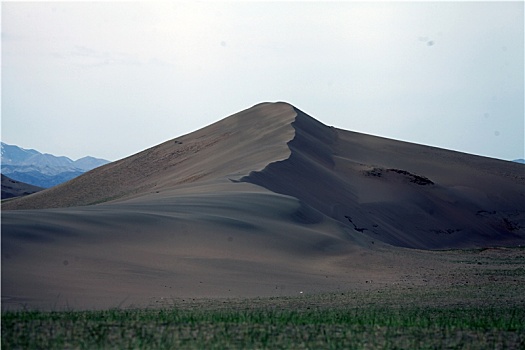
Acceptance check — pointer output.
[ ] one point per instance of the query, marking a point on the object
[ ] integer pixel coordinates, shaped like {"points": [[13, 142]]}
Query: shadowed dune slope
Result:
{"points": [[401, 193]]}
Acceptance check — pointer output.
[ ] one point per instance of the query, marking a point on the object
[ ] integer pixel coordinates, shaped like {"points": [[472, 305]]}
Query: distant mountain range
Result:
{"points": [[43, 169], [522, 161]]}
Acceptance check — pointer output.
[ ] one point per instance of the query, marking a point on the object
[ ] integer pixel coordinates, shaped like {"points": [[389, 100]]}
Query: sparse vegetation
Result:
{"points": [[475, 306], [384, 318], [417, 179]]}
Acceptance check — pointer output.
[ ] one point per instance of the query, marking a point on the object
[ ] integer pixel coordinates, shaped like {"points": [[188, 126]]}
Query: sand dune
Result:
{"points": [[268, 201]]}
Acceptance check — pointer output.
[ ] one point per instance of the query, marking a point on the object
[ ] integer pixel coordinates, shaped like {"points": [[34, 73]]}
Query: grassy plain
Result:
{"points": [[478, 306]]}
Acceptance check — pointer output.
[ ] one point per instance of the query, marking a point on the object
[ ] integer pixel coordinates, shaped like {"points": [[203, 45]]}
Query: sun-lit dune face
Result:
{"points": [[268, 201], [228, 149]]}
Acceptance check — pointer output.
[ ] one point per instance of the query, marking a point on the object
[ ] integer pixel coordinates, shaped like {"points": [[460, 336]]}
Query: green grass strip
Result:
{"points": [[268, 327]]}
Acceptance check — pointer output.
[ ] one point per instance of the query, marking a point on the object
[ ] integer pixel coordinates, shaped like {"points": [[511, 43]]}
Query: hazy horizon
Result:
{"points": [[111, 79]]}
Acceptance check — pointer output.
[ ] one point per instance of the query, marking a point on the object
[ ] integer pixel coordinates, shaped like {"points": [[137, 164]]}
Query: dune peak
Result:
{"points": [[378, 183]]}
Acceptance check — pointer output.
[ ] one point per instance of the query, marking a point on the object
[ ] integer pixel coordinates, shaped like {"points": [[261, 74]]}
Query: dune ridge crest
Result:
{"points": [[228, 149]]}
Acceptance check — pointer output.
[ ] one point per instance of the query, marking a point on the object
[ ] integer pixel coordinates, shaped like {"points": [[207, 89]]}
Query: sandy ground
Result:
{"points": [[266, 202]]}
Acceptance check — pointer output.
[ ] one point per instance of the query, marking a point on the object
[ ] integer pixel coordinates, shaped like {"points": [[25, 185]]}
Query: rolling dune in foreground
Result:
{"points": [[268, 201]]}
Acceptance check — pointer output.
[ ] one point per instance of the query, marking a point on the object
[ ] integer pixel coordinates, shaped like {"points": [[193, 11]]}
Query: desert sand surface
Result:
{"points": [[266, 202]]}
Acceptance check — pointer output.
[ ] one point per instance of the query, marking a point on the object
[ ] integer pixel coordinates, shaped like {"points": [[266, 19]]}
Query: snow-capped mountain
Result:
{"points": [[16, 155], [43, 169]]}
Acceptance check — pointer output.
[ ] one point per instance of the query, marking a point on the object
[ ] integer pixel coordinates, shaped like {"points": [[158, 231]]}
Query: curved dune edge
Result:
{"points": [[400, 193], [229, 148]]}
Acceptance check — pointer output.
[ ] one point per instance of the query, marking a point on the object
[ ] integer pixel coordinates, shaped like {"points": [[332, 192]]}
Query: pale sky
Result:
{"points": [[111, 79]]}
